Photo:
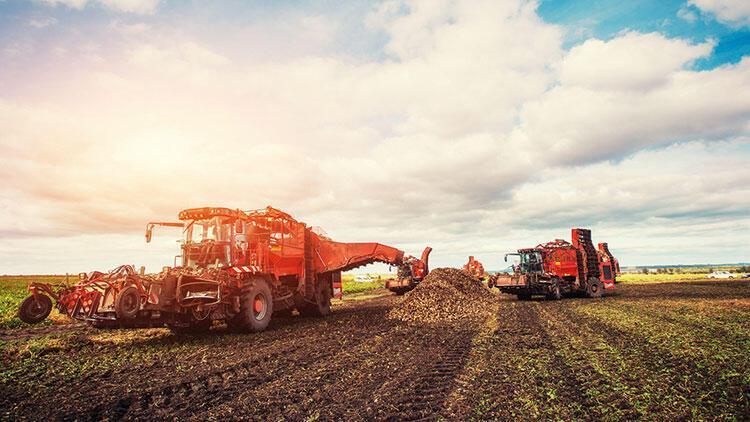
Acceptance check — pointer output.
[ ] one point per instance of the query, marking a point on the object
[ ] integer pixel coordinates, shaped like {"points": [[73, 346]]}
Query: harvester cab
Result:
{"points": [[529, 261], [209, 237]]}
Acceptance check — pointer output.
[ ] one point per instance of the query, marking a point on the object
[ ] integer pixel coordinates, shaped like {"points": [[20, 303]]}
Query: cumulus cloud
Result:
{"points": [[463, 134], [687, 15], [629, 62], [630, 99], [730, 11]]}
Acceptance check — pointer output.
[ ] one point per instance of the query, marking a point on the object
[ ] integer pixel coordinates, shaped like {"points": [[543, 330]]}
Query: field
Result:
{"points": [[659, 350]]}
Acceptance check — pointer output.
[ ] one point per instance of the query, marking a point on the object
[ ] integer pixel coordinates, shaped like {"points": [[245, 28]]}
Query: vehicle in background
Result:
{"points": [[363, 278], [557, 268], [720, 274], [475, 269]]}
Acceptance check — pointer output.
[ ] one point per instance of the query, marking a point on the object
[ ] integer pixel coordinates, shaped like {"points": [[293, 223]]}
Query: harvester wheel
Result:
{"points": [[128, 303], [554, 292], [256, 307], [594, 288], [34, 310], [322, 305]]}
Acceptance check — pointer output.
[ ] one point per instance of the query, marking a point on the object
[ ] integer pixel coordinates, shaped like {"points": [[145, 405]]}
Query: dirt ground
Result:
{"points": [[672, 350]]}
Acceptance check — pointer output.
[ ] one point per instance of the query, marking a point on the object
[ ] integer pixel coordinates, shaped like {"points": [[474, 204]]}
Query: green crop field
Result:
{"points": [[647, 278], [13, 289]]}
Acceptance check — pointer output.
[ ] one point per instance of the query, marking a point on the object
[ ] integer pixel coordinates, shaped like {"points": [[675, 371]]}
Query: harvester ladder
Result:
{"points": [[582, 237], [309, 265]]}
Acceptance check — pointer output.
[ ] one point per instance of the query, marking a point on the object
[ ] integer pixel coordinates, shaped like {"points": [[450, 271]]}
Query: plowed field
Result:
{"points": [[672, 350]]}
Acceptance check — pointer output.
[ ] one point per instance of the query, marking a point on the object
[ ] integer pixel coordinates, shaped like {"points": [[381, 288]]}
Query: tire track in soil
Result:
{"points": [[301, 378], [424, 397], [522, 362], [518, 335], [371, 374], [514, 337], [408, 350], [569, 381], [222, 384]]}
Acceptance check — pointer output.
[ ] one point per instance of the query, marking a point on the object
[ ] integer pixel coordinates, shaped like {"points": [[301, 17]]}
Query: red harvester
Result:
{"points": [[559, 267], [474, 268], [236, 266]]}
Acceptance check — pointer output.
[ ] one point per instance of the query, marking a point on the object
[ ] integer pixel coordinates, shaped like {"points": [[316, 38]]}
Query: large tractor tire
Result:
{"points": [[256, 308], [554, 292], [594, 288], [34, 310], [322, 305], [128, 303]]}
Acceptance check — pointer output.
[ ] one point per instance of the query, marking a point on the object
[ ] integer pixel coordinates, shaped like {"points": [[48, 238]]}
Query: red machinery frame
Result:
{"points": [[228, 255]]}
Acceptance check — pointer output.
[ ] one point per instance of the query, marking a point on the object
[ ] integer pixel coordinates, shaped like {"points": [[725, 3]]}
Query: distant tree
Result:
{"points": [[644, 270]]}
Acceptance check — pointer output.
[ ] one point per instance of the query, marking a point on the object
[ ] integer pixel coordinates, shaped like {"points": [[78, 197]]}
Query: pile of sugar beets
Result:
{"points": [[445, 295]]}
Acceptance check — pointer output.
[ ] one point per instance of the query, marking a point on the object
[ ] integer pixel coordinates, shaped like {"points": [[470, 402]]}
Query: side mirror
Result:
{"points": [[506, 258], [149, 233]]}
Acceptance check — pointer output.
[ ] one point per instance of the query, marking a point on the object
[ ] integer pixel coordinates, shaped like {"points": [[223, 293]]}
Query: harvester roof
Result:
{"points": [[209, 212]]}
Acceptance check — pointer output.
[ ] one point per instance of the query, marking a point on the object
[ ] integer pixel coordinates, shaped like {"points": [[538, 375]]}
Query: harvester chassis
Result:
{"points": [[553, 288]]}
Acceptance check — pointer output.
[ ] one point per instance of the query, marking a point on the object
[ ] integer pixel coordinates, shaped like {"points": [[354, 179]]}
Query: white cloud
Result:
{"points": [[628, 99], [730, 11], [128, 6], [129, 28], [42, 22], [687, 15], [630, 62]]}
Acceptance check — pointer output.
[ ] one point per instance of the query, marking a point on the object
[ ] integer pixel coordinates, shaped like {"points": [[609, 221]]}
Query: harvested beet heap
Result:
{"points": [[445, 295]]}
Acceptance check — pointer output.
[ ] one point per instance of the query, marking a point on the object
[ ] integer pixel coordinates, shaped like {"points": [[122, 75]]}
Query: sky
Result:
{"points": [[475, 127]]}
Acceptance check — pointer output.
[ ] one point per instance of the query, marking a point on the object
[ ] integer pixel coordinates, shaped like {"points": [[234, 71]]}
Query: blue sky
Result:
{"points": [[605, 19], [582, 19], [474, 126]]}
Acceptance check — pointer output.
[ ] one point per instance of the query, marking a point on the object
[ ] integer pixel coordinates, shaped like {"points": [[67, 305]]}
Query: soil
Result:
{"points": [[575, 358]]}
